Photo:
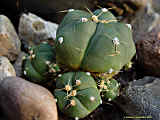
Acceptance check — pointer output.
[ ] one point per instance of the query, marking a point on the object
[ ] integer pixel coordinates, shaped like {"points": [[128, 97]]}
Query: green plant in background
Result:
{"points": [[94, 42], [40, 63], [77, 94]]}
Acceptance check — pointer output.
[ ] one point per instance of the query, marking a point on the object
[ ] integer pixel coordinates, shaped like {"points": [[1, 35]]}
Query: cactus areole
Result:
{"points": [[94, 42]]}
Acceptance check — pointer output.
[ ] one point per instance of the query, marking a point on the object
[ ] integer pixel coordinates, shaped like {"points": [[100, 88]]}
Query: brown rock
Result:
{"points": [[6, 68], [9, 41], [146, 34], [23, 100]]}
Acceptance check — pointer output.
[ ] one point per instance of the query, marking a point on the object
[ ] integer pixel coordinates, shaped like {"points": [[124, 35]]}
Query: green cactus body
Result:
{"points": [[109, 89], [77, 94], [36, 66], [95, 45]]}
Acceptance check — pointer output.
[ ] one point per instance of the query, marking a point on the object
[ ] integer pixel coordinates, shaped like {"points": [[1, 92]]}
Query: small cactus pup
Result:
{"points": [[77, 94], [93, 42], [109, 89], [40, 63]]}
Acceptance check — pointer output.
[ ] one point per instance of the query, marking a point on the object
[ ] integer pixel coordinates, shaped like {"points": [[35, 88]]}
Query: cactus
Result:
{"points": [[93, 42], [77, 94], [109, 89], [40, 63]]}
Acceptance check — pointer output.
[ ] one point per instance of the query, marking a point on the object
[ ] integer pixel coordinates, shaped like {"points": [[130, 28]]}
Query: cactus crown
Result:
{"points": [[94, 42]]}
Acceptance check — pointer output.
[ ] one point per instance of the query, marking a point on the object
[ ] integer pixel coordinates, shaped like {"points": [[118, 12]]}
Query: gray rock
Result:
{"points": [[146, 34], [6, 68], [9, 41], [142, 98], [19, 63], [33, 29]]}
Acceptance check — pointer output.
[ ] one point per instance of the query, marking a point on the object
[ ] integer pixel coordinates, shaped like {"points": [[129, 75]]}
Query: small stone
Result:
{"points": [[6, 68], [84, 19], [60, 39]]}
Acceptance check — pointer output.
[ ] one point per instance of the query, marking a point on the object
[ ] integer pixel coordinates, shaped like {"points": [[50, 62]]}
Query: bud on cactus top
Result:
{"points": [[93, 42], [77, 100]]}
